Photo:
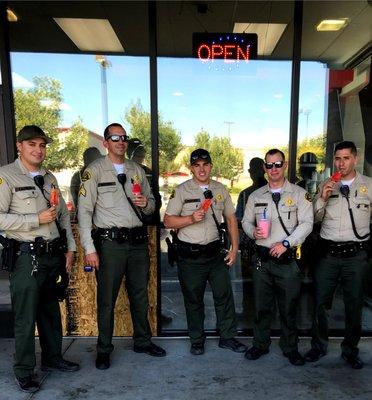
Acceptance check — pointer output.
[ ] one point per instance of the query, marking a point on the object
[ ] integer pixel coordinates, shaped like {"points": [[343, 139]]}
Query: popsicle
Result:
{"points": [[136, 188], [54, 197], [336, 177], [206, 204]]}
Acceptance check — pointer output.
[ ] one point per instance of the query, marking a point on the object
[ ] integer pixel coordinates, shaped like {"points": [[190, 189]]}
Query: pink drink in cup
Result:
{"points": [[264, 224]]}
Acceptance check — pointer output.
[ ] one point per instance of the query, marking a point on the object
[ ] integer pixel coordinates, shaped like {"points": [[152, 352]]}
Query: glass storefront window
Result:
{"points": [[65, 94], [335, 105], [245, 109]]}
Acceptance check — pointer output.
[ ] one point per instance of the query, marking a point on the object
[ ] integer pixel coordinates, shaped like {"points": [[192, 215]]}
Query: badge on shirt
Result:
{"points": [[308, 196], [82, 190], [289, 202], [86, 176], [363, 189], [219, 197], [1, 180]]}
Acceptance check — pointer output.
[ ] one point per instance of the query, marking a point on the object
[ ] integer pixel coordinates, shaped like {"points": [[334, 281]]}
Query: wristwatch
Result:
{"points": [[286, 244]]}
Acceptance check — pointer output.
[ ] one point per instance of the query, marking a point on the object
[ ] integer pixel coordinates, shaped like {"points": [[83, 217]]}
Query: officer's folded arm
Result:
{"points": [[177, 221]]}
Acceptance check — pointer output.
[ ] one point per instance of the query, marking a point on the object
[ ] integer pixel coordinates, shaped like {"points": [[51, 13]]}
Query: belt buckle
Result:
{"points": [[194, 249]]}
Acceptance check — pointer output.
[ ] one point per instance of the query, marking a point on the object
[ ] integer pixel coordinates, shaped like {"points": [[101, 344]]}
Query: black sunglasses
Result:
{"points": [[116, 138], [276, 164]]}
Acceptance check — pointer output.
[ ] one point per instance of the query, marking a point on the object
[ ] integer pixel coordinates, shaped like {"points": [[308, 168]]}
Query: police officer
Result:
{"points": [[35, 229], [201, 258], [120, 248], [344, 210], [276, 275]]}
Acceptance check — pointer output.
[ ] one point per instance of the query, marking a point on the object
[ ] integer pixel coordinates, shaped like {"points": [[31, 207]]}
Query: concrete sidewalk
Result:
{"points": [[218, 374]]}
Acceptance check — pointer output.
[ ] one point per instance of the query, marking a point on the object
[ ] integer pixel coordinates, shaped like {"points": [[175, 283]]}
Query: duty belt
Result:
{"points": [[194, 250], [343, 249], [41, 247], [134, 235], [264, 254]]}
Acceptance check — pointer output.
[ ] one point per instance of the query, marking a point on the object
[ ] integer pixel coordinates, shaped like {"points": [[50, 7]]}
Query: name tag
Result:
{"points": [[192, 201], [333, 196], [106, 184], [260, 204], [20, 189]]}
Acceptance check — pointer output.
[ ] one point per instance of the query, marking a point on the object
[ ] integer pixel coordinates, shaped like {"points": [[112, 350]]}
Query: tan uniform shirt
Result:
{"points": [[21, 201], [187, 198], [334, 214], [102, 201], [295, 208]]}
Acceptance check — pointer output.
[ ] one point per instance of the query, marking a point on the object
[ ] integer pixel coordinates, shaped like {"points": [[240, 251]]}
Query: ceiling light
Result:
{"points": [[332, 24], [268, 34], [11, 15], [91, 34]]}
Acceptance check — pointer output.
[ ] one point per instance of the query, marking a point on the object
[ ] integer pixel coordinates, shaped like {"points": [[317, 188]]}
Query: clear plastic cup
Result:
{"points": [[265, 225]]}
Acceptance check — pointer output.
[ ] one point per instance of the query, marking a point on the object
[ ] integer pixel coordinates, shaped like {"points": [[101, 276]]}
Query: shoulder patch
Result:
{"points": [[86, 176], [1, 180], [308, 196], [173, 193], [82, 190]]}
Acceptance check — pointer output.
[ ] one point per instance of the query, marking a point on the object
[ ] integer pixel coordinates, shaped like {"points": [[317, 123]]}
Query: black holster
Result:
{"points": [[223, 239], [8, 254], [247, 247]]}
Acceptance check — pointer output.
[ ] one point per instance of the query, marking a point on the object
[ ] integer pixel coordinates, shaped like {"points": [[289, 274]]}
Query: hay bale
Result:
{"points": [[80, 310]]}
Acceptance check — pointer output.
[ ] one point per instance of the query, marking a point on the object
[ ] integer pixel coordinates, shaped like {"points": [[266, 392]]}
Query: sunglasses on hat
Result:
{"points": [[200, 156]]}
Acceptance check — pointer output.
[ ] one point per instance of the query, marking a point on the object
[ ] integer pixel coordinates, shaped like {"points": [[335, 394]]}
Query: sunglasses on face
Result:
{"points": [[276, 164], [116, 138]]}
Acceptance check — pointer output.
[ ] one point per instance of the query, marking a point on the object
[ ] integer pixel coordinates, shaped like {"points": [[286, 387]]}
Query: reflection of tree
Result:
{"points": [[41, 105], [314, 145], [227, 160], [169, 139]]}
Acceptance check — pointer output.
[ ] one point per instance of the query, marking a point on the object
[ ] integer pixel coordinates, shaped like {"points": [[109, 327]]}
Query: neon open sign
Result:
{"points": [[225, 46]]}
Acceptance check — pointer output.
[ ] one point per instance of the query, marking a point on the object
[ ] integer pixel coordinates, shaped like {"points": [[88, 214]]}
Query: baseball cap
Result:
{"points": [[200, 154], [29, 132]]}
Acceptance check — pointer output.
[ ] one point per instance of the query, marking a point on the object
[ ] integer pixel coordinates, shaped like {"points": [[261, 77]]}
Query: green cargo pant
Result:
{"points": [[116, 262], [350, 272], [193, 274], [276, 282], [30, 307]]}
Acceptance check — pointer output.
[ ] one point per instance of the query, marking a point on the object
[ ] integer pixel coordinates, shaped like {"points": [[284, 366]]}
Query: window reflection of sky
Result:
{"points": [[254, 96]]}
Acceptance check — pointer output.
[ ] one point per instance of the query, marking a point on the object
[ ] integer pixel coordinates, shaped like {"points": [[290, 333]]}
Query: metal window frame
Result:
{"points": [[7, 120]]}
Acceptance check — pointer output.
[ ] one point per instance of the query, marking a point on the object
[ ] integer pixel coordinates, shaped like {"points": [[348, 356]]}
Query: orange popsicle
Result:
{"points": [[206, 204], [336, 177], [54, 197], [136, 188]]}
